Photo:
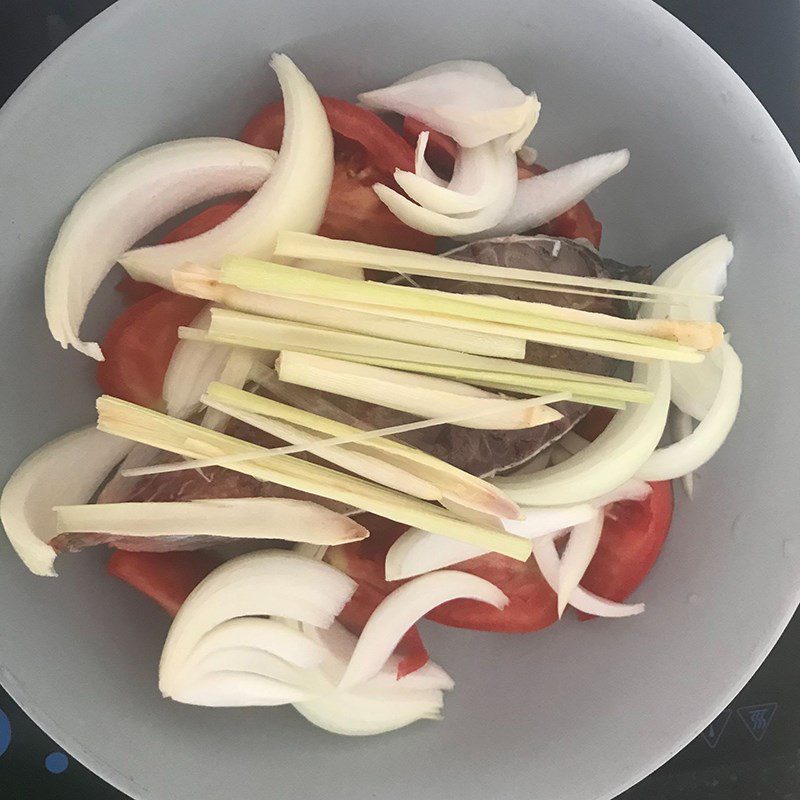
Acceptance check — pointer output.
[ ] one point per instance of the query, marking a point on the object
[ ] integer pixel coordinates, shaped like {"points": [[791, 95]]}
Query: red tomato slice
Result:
{"points": [[533, 603], [167, 578], [367, 151], [207, 219], [632, 538], [139, 345]]}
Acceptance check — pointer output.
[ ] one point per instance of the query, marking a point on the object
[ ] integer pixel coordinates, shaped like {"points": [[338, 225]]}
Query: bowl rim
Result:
{"points": [[654, 15]]}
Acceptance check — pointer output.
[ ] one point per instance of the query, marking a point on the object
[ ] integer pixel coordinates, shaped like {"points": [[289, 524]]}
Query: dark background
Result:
{"points": [[752, 751]]}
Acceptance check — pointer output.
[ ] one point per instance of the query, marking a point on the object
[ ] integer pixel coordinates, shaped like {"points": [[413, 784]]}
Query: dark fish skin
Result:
{"points": [[483, 453]]}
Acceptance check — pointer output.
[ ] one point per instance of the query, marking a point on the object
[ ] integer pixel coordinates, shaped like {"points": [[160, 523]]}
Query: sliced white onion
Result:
{"points": [[265, 583], [119, 487], [578, 554], [694, 386], [549, 563], [235, 372], [609, 461], [266, 518], [682, 427], [128, 201], [294, 198], [634, 489], [475, 184], [416, 552], [66, 470], [543, 197], [470, 101], [231, 689], [194, 364], [500, 167], [421, 166], [402, 608], [692, 452], [357, 713], [573, 443]]}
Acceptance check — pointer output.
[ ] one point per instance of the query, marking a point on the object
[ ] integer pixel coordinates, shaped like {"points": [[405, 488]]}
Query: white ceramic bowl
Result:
{"points": [[580, 711]]}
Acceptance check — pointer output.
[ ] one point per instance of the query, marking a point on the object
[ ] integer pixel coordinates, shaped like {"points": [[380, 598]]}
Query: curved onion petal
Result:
{"points": [[682, 427], [543, 197], [501, 165], [194, 364], [693, 451], [609, 461], [128, 201], [67, 470], [578, 554], [421, 166], [402, 608], [235, 372], [470, 101], [265, 583], [231, 689], [475, 184], [704, 268], [634, 489], [416, 551], [294, 198], [694, 386], [546, 556], [357, 713]]}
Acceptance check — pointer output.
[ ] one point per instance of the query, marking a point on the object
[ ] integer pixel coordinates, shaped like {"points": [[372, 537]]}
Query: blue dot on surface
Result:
{"points": [[5, 732], [56, 763]]}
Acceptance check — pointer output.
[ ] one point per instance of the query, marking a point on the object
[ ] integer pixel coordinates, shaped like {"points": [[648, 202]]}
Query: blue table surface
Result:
{"points": [[752, 750]]}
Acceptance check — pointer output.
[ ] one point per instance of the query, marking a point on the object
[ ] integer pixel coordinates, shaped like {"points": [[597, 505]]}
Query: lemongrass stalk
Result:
{"points": [[303, 245], [204, 282], [128, 420]]}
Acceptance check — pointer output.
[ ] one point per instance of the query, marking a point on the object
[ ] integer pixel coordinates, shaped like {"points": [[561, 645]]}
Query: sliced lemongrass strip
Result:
{"points": [[623, 393], [421, 395], [578, 554], [235, 372], [656, 349], [253, 275], [360, 436], [549, 563], [240, 518], [204, 282], [452, 482], [696, 449], [402, 608], [67, 470], [188, 440], [368, 466], [294, 197], [613, 458], [303, 245]]}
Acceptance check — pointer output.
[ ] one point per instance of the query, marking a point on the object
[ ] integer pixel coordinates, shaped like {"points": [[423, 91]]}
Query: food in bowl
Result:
{"points": [[392, 343]]}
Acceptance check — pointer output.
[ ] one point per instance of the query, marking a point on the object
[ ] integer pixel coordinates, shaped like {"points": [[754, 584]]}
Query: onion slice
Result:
{"points": [[543, 197], [696, 449], [580, 550], [265, 583], [231, 689], [547, 559], [128, 201], [294, 198], [267, 518], [613, 458], [67, 470], [194, 364], [402, 608], [471, 101]]}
